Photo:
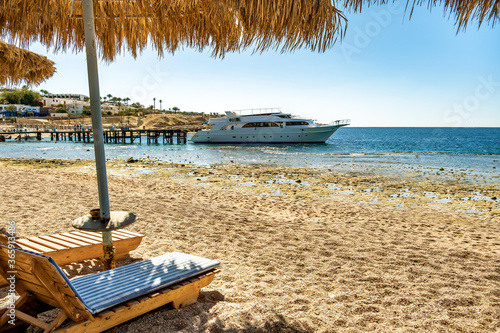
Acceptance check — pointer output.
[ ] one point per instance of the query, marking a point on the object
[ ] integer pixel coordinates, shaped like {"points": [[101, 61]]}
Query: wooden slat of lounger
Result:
{"points": [[71, 240], [124, 232], [91, 235], [118, 235], [121, 235], [34, 286], [94, 234], [142, 299], [34, 246], [114, 233], [74, 248], [66, 255], [80, 238], [4, 257], [166, 290], [76, 237], [105, 313], [129, 233], [119, 308], [47, 243], [91, 248], [24, 247], [131, 303], [96, 237], [87, 236], [65, 243], [95, 250], [25, 277]]}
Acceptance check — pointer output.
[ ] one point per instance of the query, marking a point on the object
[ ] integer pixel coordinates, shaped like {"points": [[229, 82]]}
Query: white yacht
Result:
{"points": [[265, 126]]}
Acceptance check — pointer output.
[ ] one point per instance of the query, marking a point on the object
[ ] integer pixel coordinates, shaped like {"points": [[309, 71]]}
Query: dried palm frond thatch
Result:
{"points": [[18, 66], [465, 11], [219, 25]]}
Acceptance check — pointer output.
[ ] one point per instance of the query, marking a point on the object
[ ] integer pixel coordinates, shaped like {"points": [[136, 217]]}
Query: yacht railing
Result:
{"points": [[341, 122], [246, 112]]}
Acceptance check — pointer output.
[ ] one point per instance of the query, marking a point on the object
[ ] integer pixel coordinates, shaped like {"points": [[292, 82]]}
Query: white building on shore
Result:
{"points": [[14, 110], [77, 97], [73, 103]]}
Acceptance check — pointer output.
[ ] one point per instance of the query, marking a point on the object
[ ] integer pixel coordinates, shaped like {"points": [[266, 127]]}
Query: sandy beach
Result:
{"points": [[298, 253]]}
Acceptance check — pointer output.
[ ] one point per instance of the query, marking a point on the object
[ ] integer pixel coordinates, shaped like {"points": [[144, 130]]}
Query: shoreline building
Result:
{"points": [[18, 110], [73, 103]]}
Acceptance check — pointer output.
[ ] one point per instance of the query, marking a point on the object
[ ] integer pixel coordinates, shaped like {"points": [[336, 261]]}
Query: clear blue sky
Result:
{"points": [[388, 71]]}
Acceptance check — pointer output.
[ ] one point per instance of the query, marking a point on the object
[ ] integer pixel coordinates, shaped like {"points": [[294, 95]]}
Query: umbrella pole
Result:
{"points": [[95, 107]]}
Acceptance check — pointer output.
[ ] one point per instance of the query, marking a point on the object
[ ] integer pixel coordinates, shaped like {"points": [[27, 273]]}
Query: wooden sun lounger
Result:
{"points": [[76, 246], [99, 301]]}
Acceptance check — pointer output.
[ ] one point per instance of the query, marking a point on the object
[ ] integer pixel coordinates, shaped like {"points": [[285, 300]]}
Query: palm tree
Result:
{"points": [[126, 100], [160, 105], [154, 103]]}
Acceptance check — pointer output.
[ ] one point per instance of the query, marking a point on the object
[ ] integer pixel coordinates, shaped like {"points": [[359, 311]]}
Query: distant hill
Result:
{"points": [[157, 121], [170, 120]]}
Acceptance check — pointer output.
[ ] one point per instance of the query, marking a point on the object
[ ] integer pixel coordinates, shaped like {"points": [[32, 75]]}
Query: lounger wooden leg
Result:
{"points": [[189, 297]]}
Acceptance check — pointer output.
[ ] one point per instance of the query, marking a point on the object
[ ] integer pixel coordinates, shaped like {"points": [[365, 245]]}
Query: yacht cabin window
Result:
{"points": [[268, 124]]}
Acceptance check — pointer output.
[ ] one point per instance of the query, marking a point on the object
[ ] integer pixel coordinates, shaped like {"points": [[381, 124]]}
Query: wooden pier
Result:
{"points": [[166, 136]]}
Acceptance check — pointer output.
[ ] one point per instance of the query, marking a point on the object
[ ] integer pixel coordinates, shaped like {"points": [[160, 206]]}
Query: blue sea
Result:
{"points": [[359, 149]]}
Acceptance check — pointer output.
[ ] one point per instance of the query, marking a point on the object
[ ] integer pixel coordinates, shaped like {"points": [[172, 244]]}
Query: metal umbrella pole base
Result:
{"points": [[93, 222]]}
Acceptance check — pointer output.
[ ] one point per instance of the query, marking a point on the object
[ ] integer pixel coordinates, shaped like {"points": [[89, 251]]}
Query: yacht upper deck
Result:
{"points": [[254, 112]]}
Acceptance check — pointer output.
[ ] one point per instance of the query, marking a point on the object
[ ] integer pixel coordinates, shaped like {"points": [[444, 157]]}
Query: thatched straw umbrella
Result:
{"points": [[18, 66], [219, 25]]}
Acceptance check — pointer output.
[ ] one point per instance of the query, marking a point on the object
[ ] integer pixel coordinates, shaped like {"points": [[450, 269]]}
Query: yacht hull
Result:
{"points": [[317, 134]]}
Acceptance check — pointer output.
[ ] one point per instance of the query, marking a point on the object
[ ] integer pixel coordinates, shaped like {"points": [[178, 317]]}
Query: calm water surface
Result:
{"points": [[350, 148]]}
